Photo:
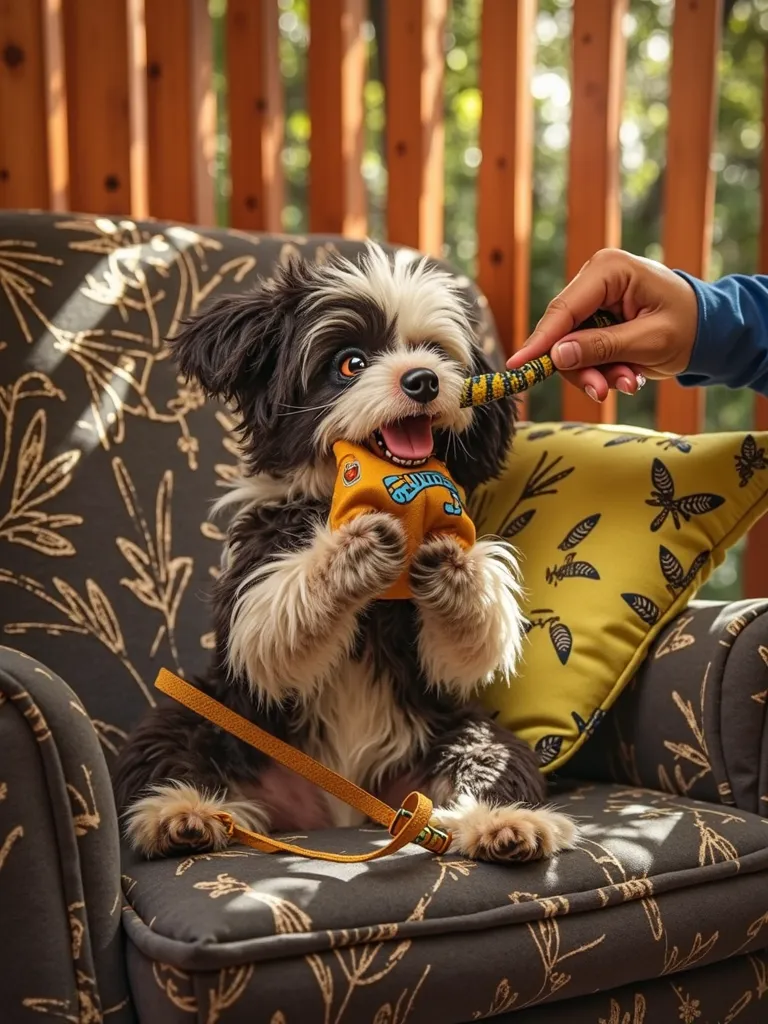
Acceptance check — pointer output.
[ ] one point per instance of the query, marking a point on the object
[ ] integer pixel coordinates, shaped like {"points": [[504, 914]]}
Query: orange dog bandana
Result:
{"points": [[426, 500]]}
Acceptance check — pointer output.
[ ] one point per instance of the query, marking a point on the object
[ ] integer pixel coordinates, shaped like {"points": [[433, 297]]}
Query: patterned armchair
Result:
{"points": [[107, 468]]}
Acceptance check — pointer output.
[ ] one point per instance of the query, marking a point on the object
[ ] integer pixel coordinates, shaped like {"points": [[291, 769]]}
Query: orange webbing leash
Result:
{"points": [[409, 824]]}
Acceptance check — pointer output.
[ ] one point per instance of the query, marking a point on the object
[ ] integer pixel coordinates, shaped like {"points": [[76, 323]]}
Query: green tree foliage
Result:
{"points": [[736, 160]]}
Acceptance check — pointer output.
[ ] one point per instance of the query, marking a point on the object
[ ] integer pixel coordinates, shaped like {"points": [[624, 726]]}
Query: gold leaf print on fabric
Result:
{"points": [[760, 968], [20, 272], [634, 1016], [92, 616], [139, 269], [371, 955], [86, 815], [33, 715], [86, 1007], [676, 639], [177, 985], [546, 938], [503, 999], [35, 482], [111, 737], [689, 1009], [230, 986], [185, 865], [628, 887], [13, 836], [695, 754], [675, 961], [161, 580], [288, 918], [403, 1008]]}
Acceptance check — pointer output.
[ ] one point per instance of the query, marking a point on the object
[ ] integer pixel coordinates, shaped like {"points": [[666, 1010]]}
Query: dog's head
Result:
{"points": [[372, 353]]}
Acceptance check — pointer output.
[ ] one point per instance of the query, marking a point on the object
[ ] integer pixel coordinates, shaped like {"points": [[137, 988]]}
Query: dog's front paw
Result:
{"points": [[444, 576], [507, 832], [175, 817], [369, 557]]}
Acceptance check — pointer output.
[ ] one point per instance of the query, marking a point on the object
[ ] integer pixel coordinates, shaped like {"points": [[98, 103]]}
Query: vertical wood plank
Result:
{"points": [[505, 178], [689, 183], [255, 115], [336, 79], [170, 114], [24, 179], [203, 114], [96, 59], [594, 202], [56, 105], [415, 132], [755, 563], [137, 107]]}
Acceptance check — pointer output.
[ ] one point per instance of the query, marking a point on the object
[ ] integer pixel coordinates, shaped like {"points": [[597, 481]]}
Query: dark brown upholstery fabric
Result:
{"points": [[694, 721], [61, 945], [659, 885]]}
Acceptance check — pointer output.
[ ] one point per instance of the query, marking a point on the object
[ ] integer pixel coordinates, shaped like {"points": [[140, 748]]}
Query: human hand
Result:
{"points": [[659, 311]]}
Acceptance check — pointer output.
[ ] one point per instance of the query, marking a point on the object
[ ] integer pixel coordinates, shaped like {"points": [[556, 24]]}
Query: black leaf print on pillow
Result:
{"points": [[665, 443], [537, 435], [571, 569], [559, 634], [580, 532], [514, 526], [543, 480], [750, 460], [562, 640], [672, 569], [663, 497], [591, 723], [548, 748], [679, 443], [643, 606]]}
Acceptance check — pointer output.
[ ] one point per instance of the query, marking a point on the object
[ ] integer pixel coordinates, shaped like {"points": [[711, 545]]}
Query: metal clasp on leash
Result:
{"points": [[433, 839]]}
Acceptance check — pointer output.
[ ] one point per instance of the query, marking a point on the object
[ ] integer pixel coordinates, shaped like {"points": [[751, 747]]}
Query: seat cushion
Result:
{"points": [[659, 884]]}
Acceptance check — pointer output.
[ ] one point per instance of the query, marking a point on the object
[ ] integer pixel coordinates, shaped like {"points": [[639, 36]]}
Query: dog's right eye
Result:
{"points": [[350, 364]]}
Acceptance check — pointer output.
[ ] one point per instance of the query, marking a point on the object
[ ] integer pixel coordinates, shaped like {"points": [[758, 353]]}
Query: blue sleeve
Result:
{"points": [[731, 345]]}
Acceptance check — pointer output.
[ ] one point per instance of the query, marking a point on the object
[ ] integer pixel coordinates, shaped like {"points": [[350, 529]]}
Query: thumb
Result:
{"points": [[633, 342]]}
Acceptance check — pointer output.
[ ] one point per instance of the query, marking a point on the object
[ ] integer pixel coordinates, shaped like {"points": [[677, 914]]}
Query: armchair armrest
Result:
{"points": [[694, 720], [60, 897]]}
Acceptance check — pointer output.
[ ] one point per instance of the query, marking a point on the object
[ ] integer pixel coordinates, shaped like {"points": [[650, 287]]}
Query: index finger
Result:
{"points": [[582, 297]]}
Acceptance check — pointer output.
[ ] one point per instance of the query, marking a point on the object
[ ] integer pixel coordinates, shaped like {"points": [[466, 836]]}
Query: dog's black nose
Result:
{"points": [[421, 384]]}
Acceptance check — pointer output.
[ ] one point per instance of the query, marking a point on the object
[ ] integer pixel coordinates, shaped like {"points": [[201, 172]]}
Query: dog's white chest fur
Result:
{"points": [[359, 731]]}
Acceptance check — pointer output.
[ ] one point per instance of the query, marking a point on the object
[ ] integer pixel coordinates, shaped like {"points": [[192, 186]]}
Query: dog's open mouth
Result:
{"points": [[407, 442]]}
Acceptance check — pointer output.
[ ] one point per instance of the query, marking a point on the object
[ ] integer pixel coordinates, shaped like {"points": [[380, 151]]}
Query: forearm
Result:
{"points": [[732, 339]]}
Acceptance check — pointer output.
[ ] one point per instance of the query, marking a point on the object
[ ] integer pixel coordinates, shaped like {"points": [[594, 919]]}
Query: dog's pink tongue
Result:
{"points": [[409, 439]]}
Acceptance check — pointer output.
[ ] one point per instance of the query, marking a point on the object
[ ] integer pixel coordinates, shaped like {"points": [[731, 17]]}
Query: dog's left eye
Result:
{"points": [[350, 364]]}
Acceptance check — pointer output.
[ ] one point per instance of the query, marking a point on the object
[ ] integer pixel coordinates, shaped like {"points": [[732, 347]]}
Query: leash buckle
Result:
{"points": [[433, 839]]}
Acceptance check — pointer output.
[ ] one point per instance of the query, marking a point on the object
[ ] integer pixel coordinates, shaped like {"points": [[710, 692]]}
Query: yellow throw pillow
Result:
{"points": [[616, 528]]}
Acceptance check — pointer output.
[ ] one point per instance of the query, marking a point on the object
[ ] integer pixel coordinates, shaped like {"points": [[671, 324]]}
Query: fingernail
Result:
{"points": [[641, 381], [567, 354], [592, 393], [624, 384]]}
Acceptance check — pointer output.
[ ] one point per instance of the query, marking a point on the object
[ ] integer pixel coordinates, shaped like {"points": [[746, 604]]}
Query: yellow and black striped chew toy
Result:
{"points": [[490, 387]]}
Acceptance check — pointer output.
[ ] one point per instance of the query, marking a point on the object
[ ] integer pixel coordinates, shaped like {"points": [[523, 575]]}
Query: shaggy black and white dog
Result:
{"points": [[384, 692]]}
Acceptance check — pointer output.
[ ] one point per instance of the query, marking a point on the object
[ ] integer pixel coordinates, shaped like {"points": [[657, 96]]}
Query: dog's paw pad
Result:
{"points": [[511, 833], [175, 818]]}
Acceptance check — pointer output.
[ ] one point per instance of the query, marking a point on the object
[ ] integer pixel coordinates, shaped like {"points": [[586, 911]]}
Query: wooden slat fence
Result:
{"points": [[107, 106]]}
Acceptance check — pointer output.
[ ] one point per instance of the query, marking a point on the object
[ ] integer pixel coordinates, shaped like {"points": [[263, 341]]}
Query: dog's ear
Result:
{"points": [[480, 453], [232, 348]]}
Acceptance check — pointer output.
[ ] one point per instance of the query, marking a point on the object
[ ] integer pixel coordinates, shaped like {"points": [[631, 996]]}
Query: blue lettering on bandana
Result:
{"points": [[405, 487]]}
